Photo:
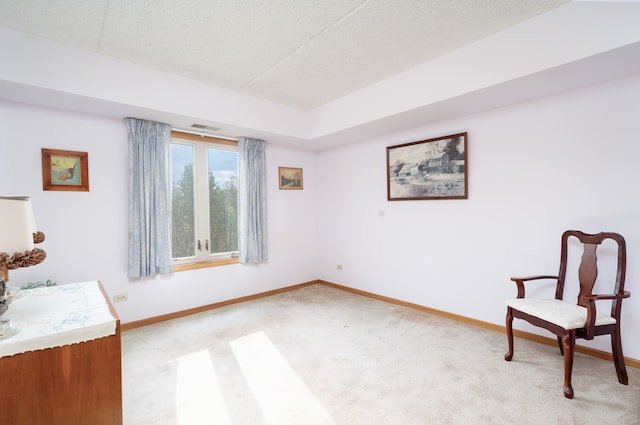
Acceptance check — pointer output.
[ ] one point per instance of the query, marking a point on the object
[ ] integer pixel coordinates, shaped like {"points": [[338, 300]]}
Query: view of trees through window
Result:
{"points": [[183, 224], [205, 219], [223, 214]]}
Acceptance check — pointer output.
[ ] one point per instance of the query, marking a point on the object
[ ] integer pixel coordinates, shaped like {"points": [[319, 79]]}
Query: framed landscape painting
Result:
{"points": [[290, 178], [65, 170], [428, 169]]}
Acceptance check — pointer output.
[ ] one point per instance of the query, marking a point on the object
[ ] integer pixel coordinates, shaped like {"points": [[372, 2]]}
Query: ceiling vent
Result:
{"points": [[204, 127]]}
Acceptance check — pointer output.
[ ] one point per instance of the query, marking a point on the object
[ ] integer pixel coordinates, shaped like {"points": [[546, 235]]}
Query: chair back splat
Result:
{"points": [[581, 320]]}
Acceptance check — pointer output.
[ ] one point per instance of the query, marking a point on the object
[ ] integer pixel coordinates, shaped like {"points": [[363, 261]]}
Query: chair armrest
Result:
{"points": [[525, 279], [520, 282], [589, 326], [625, 294]]}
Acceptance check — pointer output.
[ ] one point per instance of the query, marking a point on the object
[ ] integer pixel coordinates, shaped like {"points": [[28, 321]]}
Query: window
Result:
{"points": [[204, 173]]}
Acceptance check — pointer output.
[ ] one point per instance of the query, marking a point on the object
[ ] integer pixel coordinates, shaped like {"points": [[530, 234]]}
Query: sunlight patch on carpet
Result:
{"points": [[199, 400], [282, 396]]}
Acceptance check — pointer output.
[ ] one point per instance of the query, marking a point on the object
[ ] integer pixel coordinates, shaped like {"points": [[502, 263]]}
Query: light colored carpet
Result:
{"points": [[320, 355]]}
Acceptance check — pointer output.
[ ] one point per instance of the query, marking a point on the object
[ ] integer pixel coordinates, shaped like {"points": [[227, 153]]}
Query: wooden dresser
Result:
{"points": [[64, 367]]}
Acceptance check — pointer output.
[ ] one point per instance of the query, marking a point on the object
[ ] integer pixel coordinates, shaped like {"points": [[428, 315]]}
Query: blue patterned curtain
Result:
{"points": [[149, 198], [252, 202]]}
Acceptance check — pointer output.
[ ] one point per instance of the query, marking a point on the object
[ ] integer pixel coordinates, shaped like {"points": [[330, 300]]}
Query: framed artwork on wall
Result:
{"points": [[428, 169], [290, 178], [65, 170]]}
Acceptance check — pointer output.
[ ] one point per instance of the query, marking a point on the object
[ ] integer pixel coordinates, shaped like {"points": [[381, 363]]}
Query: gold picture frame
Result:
{"points": [[290, 178], [65, 170]]}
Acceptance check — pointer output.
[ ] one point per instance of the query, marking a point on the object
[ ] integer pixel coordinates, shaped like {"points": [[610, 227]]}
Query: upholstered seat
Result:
{"points": [[567, 320], [561, 313]]}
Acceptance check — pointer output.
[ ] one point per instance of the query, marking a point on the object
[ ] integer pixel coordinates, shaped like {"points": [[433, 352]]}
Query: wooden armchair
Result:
{"points": [[569, 321]]}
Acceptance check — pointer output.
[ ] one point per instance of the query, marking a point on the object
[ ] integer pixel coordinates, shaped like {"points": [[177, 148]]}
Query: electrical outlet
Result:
{"points": [[339, 267], [120, 297]]}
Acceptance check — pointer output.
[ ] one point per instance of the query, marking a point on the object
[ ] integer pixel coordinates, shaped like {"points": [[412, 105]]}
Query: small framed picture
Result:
{"points": [[290, 178], [65, 170]]}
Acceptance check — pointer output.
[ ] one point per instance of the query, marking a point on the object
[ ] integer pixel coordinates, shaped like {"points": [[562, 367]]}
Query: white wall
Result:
{"points": [[86, 233], [535, 169]]}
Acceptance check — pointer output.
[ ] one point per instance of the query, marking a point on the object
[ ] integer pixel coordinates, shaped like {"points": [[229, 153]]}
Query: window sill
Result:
{"points": [[204, 264]]}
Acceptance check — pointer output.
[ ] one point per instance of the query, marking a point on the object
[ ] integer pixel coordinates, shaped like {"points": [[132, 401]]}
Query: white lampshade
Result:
{"points": [[17, 225]]}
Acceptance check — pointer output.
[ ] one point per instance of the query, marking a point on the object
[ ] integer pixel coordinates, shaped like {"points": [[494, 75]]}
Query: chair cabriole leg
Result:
{"points": [[509, 326], [560, 345], [568, 345], [618, 358]]}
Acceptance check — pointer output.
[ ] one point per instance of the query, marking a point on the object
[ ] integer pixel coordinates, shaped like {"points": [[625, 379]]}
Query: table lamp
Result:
{"points": [[18, 235]]}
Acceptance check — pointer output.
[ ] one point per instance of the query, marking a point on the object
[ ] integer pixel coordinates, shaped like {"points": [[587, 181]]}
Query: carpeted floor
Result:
{"points": [[320, 355]]}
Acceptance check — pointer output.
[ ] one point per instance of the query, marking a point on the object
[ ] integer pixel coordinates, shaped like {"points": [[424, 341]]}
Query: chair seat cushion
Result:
{"points": [[563, 314]]}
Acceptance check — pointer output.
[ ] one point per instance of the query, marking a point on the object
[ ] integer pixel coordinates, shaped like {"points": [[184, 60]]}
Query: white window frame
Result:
{"points": [[201, 144]]}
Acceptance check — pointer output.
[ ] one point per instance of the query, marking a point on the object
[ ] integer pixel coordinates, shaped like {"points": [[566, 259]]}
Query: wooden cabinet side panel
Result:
{"points": [[77, 384]]}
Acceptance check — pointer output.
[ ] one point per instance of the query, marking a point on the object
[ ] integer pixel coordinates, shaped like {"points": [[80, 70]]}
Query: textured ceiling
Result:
{"points": [[302, 53]]}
